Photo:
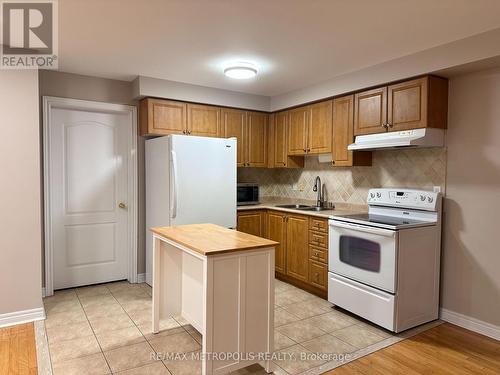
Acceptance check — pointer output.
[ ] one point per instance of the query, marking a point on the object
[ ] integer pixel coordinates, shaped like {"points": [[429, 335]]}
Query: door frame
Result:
{"points": [[50, 103]]}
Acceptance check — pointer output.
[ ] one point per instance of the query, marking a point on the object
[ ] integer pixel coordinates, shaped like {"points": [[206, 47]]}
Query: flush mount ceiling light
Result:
{"points": [[240, 70]]}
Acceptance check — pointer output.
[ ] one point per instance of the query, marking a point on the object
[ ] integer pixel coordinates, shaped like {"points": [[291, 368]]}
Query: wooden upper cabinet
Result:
{"points": [[277, 144], [298, 123], [250, 130], [251, 222], [234, 125], [343, 135], [370, 111], [407, 105], [276, 231], [257, 139], [418, 103], [310, 129], [280, 144], [343, 130], [319, 136], [203, 120], [297, 249], [162, 117]]}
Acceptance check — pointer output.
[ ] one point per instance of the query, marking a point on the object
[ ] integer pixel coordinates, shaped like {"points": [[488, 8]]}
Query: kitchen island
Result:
{"points": [[222, 282]]}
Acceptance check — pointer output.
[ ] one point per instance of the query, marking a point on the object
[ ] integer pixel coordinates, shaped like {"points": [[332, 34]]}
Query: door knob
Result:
{"points": [[122, 205]]}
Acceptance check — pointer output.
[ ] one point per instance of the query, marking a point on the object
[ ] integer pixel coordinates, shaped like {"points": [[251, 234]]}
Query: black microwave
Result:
{"points": [[247, 194]]}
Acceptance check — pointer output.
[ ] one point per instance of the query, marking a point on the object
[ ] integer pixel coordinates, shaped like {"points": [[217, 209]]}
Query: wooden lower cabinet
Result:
{"points": [[297, 246], [318, 274], [301, 258], [252, 222], [276, 231]]}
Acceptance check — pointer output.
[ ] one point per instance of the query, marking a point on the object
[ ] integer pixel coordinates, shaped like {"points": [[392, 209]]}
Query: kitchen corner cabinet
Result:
{"points": [[252, 222], [310, 129], [257, 139], [343, 135], [277, 144], [165, 117], [413, 104], [250, 131]]}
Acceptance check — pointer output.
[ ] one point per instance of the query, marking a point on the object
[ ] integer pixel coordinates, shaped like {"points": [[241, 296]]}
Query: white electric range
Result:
{"points": [[384, 265]]}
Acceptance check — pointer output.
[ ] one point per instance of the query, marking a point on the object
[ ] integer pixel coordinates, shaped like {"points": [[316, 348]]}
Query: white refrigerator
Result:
{"points": [[189, 180]]}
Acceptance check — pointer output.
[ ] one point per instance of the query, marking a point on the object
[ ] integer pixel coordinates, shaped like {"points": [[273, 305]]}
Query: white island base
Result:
{"points": [[223, 286]]}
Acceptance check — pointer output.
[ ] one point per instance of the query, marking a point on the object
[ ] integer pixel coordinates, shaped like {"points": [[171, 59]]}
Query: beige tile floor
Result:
{"points": [[106, 329]]}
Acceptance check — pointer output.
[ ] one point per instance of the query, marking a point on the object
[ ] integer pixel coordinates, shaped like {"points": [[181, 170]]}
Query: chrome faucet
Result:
{"points": [[319, 188]]}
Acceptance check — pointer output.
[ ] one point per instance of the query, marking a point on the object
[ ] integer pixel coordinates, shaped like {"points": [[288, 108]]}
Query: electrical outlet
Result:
{"points": [[437, 189], [295, 187]]}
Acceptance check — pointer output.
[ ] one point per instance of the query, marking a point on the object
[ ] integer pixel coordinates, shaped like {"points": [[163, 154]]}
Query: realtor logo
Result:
{"points": [[29, 34]]}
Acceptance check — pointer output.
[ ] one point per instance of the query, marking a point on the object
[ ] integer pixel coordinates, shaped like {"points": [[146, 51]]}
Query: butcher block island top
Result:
{"points": [[221, 281], [211, 239]]}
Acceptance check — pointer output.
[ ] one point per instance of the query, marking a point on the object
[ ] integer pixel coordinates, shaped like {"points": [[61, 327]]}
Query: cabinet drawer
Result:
{"points": [[318, 224], [318, 274], [318, 254], [318, 239]]}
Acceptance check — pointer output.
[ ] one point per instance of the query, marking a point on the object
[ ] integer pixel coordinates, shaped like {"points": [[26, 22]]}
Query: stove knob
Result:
{"points": [[422, 198], [379, 195], [430, 199], [372, 195]]}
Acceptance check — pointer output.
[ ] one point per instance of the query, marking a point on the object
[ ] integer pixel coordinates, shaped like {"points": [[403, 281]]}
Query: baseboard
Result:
{"points": [[470, 323], [24, 316], [141, 277], [43, 292]]}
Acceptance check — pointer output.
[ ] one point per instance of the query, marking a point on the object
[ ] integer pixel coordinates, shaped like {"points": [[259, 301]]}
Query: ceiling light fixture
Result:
{"points": [[240, 70]]}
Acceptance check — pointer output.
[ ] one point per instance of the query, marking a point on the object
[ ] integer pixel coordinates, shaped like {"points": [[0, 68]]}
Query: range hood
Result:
{"points": [[428, 137]]}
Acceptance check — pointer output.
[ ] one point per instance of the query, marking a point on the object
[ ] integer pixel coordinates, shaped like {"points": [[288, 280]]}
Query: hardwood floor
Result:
{"points": [[17, 350], [446, 349]]}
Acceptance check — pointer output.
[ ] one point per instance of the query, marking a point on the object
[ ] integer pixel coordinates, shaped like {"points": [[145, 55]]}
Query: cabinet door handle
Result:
{"points": [[384, 125], [390, 125], [184, 131]]}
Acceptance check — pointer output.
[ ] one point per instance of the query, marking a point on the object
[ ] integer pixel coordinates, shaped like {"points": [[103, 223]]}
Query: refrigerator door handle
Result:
{"points": [[173, 196]]}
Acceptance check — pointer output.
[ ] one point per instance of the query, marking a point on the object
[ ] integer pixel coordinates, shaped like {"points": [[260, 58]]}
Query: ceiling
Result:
{"points": [[294, 43]]}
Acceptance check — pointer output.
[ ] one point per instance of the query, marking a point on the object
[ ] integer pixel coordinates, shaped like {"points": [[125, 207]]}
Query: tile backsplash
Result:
{"points": [[410, 168]]}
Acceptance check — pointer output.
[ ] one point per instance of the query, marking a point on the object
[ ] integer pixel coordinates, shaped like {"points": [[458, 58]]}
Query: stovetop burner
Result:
{"points": [[382, 221]]}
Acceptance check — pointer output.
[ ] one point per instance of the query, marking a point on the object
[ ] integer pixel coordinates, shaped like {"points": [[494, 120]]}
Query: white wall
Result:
{"points": [[146, 86], [471, 254], [20, 214], [475, 48]]}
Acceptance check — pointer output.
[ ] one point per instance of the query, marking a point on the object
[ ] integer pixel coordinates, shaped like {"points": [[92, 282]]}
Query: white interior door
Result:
{"points": [[89, 194]]}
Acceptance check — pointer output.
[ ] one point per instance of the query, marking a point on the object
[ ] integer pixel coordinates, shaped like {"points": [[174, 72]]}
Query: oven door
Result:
{"points": [[363, 253]]}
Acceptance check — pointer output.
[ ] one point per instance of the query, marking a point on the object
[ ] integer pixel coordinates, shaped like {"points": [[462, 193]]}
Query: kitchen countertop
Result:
{"points": [[270, 203], [211, 239]]}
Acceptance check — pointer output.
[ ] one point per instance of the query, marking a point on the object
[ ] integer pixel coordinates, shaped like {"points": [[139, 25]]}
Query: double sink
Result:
{"points": [[304, 207]]}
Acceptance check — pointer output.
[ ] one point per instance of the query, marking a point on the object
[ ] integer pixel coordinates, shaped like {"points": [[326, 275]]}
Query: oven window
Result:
{"points": [[360, 253]]}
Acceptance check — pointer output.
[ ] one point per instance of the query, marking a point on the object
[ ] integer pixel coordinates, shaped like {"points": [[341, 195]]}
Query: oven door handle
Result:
{"points": [[363, 228]]}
